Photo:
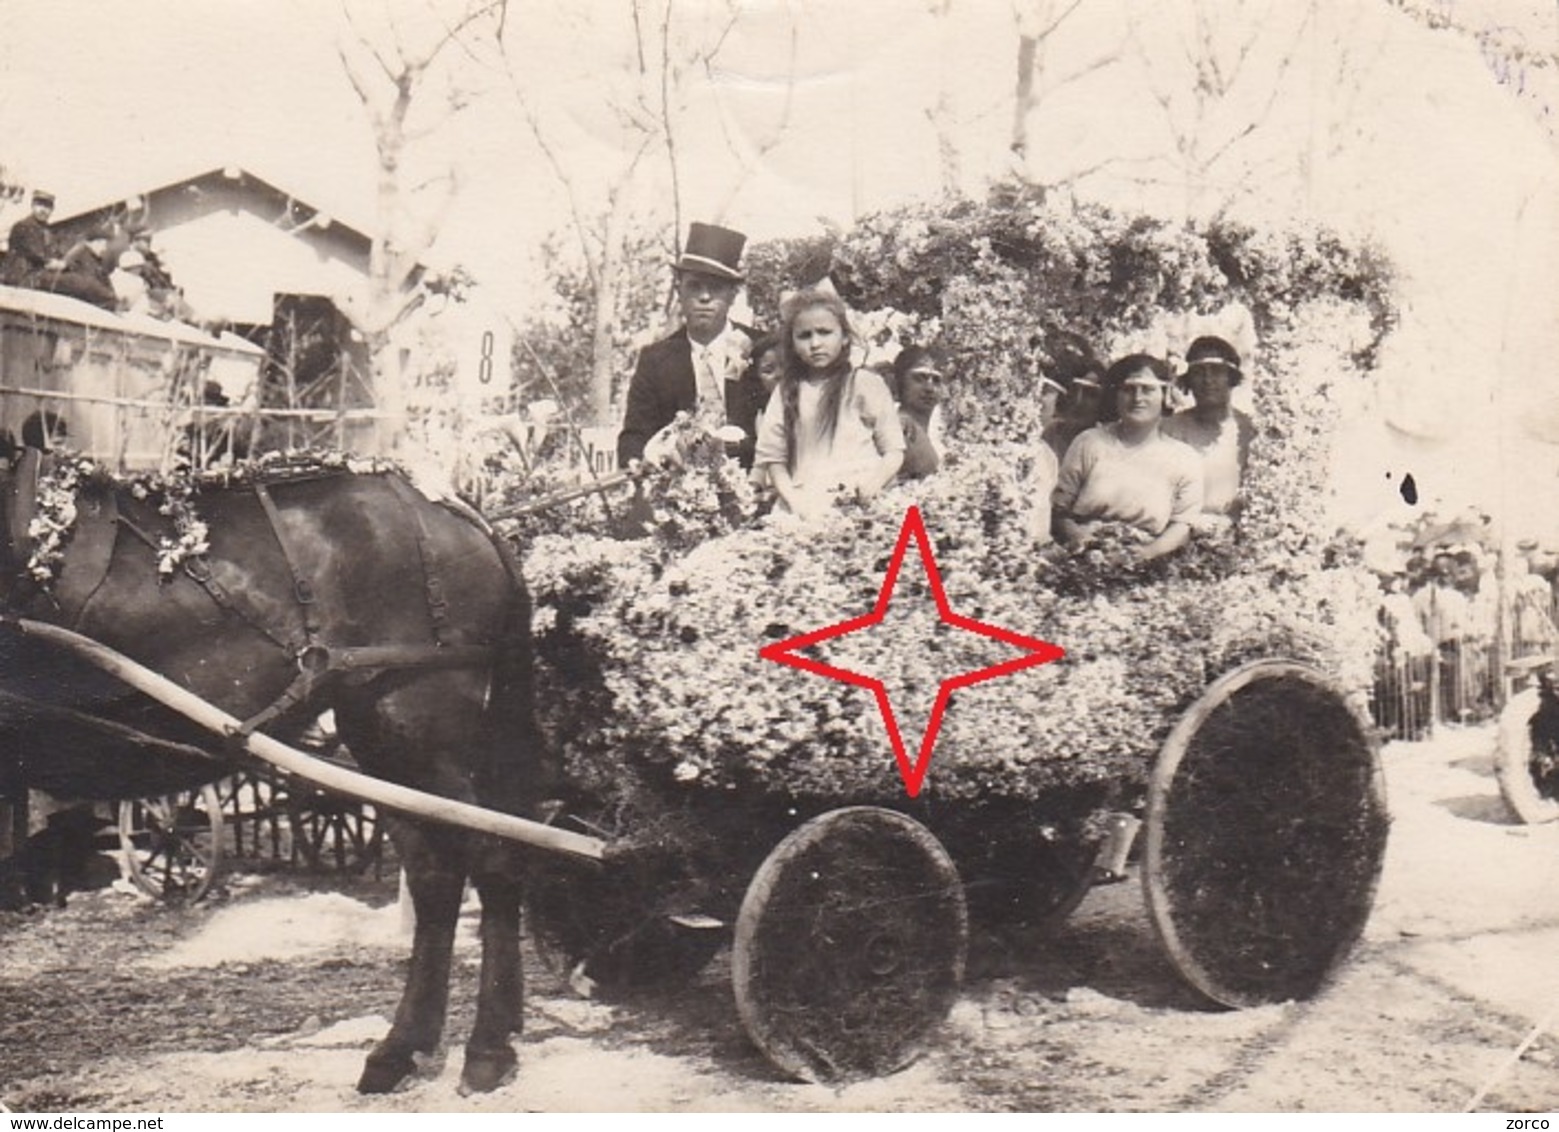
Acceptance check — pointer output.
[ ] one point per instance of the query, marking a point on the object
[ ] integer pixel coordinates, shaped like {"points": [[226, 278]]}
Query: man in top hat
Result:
{"points": [[1220, 433], [698, 368], [32, 250]]}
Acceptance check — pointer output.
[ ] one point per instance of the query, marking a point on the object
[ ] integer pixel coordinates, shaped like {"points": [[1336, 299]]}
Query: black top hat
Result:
{"points": [[712, 250], [39, 196]]}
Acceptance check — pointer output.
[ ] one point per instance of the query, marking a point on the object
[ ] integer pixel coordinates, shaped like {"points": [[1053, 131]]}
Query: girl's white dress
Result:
{"points": [[868, 429]]}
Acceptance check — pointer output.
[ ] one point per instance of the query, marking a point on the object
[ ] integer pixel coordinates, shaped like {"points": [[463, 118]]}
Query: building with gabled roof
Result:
{"points": [[233, 240], [250, 255]]}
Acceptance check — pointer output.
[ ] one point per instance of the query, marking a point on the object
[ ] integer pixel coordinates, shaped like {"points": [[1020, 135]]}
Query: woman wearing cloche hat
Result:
{"points": [[1220, 433]]}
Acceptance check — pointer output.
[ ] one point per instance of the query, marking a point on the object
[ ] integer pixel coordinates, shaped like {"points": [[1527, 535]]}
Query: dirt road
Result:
{"points": [[268, 999]]}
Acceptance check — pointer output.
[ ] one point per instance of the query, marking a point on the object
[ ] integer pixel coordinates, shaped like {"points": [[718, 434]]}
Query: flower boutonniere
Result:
{"points": [[738, 356]]}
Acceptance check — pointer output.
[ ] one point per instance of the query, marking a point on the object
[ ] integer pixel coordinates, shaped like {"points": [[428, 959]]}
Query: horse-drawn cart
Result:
{"points": [[848, 915]]}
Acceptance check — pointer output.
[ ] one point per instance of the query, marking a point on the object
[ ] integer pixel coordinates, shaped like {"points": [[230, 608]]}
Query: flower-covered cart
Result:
{"points": [[1217, 693], [747, 802]]}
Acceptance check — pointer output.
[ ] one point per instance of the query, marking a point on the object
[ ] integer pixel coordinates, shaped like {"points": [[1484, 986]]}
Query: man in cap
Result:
{"points": [[1220, 433], [88, 273], [698, 368], [32, 250]]}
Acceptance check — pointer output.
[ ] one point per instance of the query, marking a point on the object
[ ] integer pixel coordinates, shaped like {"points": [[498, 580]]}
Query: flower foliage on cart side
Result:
{"points": [[649, 649]]}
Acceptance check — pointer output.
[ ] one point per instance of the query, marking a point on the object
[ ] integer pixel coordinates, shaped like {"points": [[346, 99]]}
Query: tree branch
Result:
{"points": [[666, 129], [774, 137], [1046, 32], [367, 44]]}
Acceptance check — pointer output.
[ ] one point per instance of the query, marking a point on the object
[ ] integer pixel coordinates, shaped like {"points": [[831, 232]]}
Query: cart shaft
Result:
{"points": [[338, 779]]}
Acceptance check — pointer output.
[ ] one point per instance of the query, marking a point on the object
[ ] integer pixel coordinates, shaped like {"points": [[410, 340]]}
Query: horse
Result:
{"points": [[277, 593]]}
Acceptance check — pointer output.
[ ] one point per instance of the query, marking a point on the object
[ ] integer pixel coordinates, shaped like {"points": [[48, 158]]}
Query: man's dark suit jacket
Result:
{"points": [[32, 246], [664, 384]]}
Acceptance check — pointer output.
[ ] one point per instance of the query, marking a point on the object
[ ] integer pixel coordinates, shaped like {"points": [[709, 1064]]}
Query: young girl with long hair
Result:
{"points": [[828, 427]]}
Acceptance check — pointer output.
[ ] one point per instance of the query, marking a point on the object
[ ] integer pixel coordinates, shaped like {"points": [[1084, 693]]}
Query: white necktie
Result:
{"points": [[711, 383]]}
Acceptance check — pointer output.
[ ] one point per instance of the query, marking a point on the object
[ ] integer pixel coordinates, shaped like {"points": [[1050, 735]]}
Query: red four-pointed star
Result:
{"points": [[1035, 652]]}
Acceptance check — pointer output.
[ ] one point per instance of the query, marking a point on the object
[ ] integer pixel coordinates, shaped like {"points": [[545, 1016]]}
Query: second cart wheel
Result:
{"points": [[334, 834], [850, 946], [1527, 758], [1266, 832], [173, 844]]}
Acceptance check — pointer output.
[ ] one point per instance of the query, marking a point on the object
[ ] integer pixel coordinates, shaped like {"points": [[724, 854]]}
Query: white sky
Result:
{"points": [[1407, 134]]}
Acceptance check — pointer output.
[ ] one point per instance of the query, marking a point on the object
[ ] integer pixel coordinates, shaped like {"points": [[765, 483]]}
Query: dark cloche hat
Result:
{"points": [[712, 250], [1212, 350], [41, 196]]}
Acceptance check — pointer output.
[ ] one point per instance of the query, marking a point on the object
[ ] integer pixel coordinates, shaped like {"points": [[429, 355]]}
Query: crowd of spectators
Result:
{"points": [[1449, 626]]}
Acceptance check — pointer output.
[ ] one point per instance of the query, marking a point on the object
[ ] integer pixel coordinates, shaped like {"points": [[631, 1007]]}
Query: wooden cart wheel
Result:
{"points": [[1527, 757], [600, 928], [173, 844], [332, 833], [1266, 832], [850, 946]]}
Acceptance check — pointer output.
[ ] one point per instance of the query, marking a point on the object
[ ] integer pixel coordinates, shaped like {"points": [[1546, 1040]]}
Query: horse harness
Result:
{"points": [[317, 660]]}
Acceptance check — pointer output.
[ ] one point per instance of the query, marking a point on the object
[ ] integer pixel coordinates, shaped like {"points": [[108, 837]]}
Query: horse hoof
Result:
{"points": [[388, 1069], [382, 1073], [488, 1070], [385, 1068]]}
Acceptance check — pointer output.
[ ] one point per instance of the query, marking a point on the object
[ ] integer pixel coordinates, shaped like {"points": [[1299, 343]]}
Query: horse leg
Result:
{"points": [[500, 1002], [435, 876]]}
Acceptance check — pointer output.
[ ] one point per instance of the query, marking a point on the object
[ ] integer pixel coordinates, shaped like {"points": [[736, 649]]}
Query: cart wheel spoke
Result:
{"points": [[850, 946], [172, 845], [1266, 832], [331, 833]]}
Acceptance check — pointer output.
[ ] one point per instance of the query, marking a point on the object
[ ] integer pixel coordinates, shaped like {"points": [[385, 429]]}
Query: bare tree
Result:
{"points": [[1217, 76], [1039, 80], [643, 103], [391, 55], [752, 149], [1515, 43], [943, 112]]}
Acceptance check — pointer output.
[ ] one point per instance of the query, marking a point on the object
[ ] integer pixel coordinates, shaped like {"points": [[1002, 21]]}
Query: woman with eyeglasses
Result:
{"points": [[1126, 470]]}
